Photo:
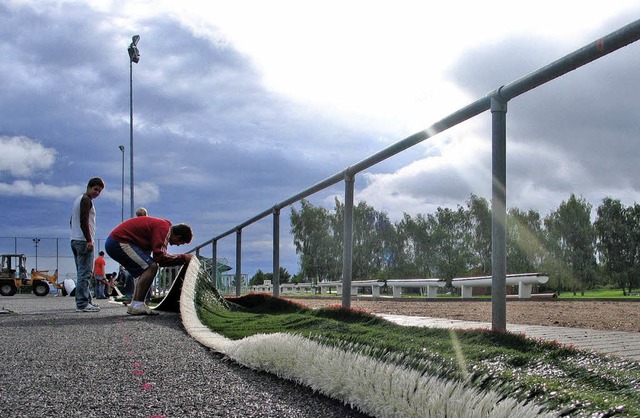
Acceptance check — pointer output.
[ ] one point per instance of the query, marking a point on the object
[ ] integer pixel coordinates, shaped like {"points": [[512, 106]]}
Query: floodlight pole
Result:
{"points": [[122, 187], [134, 56], [36, 241]]}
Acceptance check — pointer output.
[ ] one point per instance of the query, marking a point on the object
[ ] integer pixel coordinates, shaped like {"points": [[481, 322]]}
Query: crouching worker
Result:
{"points": [[140, 245]]}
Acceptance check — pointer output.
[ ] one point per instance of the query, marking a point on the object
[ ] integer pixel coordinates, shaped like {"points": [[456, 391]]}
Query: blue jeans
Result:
{"points": [[84, 268], [99, 288]]}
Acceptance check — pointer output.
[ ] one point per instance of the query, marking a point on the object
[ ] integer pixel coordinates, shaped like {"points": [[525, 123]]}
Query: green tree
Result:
{"points": [[315, 241], [571, 237], [525, 241], [372, 230], [617, 242], [480, 224], [414, 254], [258, 278], [450, 235], [285, 276]]}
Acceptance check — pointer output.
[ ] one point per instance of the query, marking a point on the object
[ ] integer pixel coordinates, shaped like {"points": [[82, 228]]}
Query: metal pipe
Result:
{"points": [[499, 213], [276, 252], [347, 239], [238, 261]]}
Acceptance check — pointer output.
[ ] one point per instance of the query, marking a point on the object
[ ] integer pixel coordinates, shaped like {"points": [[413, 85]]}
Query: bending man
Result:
{"points": [[140, 245]]}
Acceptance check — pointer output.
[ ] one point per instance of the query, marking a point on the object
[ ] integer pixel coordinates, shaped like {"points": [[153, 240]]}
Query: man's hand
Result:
{"points": [[187, 258], [89, 246]]}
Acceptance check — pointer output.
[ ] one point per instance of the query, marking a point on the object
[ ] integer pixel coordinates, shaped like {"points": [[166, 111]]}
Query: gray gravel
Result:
{"points": [[61, 363]]}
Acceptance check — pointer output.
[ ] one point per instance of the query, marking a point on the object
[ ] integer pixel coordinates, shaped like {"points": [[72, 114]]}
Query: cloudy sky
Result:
{"points": [[240, 105]]}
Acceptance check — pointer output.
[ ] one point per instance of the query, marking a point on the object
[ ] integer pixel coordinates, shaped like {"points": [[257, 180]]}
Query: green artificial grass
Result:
{"points": [[600, 294], [559, 377]]}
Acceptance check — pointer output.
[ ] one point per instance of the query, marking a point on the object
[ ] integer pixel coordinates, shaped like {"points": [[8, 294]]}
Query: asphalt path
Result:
{"points": [[62, 363]]}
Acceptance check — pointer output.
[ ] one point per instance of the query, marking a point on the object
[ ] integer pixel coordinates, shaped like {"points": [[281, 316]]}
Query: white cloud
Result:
{"points": [[457, 164], [40, 190], [379, 60], [146, 193], [24, 157]]}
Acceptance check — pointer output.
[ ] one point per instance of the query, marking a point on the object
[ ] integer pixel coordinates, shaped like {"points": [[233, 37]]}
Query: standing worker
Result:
{"points": [[83, 232], [98, 276], [140, 245]]}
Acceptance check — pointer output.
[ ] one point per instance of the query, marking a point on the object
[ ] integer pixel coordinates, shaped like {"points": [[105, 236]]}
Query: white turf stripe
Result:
{"points": [[374, 387]]}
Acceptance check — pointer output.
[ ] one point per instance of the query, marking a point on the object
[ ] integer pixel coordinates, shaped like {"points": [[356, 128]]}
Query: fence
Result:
{"points": [[496, 101]]}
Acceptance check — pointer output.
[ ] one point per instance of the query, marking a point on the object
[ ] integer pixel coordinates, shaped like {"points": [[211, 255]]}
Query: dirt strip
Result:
{"points": [[605, 315]]}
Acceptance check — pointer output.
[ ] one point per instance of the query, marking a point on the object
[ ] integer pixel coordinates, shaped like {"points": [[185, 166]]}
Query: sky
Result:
{"points": [[240, 105]]}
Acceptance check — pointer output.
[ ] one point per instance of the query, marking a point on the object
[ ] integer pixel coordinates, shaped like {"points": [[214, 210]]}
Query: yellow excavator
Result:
{"points": [[13, 276]]}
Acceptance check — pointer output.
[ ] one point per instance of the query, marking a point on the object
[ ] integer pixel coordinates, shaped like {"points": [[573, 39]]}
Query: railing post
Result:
{"points": [[276, 252], [214, 261], [347, 239], [238, 261], [499, 212]]}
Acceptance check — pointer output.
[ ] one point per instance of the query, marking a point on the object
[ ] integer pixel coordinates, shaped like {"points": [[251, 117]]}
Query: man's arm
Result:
{"points": [[165, 259], [160, 242], [85, 209]]}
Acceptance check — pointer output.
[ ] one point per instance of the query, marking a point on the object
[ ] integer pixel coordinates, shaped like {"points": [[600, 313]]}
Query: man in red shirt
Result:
{"points": [[98, 275], [140, 245]]}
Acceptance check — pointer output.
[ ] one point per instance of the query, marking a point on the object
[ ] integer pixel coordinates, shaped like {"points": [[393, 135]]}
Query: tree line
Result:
{"points": [[578, 254]]}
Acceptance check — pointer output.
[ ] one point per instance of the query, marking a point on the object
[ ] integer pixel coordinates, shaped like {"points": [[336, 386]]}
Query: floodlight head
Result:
{"points": [[135, 40], [121, 147], [134, 54]]}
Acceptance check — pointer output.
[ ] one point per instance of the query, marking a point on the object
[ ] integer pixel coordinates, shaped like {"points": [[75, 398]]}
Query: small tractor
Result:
{"points": [[14, 275]]}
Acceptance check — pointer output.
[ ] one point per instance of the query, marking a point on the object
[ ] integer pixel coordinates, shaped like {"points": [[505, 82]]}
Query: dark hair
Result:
{"points": [[183, 231], [96, 181], [101, 253]]}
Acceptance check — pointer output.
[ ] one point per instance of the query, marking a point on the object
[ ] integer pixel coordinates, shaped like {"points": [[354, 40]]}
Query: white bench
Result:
{"points": [[524, 281], [295, 288], [431, 285], [375, 285], [266, 288], [284, 288]]}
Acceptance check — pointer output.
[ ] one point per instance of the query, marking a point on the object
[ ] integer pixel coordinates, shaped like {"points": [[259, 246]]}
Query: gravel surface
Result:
{"points": [[59, 363], [604, 315]]}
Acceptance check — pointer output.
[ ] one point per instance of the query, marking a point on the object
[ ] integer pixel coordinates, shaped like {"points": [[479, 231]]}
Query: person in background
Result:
{"points": [[126, 279], [111, 285], [99, 276], [140, 245], [83, 232]]}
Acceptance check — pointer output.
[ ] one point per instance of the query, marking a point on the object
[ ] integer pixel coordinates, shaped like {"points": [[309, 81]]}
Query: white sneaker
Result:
{"points": [[142, 310], [89, 308]]}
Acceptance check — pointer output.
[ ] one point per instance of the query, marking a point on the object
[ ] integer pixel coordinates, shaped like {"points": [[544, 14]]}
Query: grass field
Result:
{"points": [[561, 378], [601, 293]]}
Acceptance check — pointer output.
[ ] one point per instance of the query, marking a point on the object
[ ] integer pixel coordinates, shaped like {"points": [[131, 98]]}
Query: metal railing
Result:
{"points": [[496, 101]]}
